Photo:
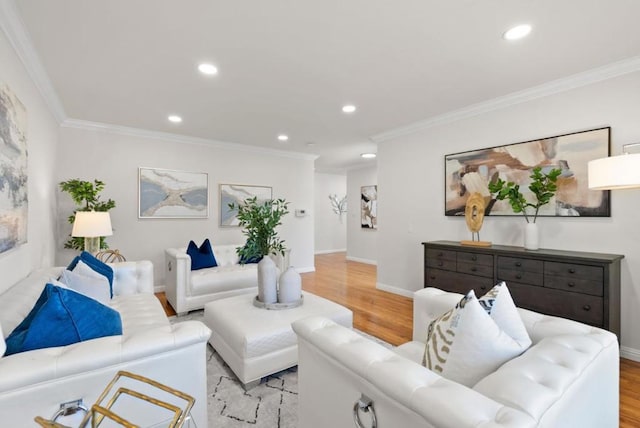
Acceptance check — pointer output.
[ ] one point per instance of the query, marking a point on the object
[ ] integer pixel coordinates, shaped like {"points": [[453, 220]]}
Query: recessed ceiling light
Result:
{"points": [[349, 108], [208, 69], [283, 137], [517, 32], [368, 155], [175, 119], [311, 144]]}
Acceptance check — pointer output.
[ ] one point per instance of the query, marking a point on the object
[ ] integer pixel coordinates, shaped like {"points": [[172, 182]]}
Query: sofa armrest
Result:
{"points": [[177, 270], [336, 365], [132, 277]]}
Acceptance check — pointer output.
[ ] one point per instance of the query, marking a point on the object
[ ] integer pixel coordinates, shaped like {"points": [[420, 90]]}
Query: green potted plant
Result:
{"points": [[259, 221], [543, 186], [87, 195]]}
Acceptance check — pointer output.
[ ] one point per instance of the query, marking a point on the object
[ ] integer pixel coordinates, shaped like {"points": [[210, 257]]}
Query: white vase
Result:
{"points": [[531, 236], [290, 286], [267, 281]]}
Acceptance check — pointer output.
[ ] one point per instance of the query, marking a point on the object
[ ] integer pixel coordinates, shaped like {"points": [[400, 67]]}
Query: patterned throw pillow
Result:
{"points": [[500, 307], [465, 345]]}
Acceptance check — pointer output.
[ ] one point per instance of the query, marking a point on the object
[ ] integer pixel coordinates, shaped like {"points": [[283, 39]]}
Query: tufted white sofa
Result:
{"points": [[35, 383], [189, 290], [568, 378]]}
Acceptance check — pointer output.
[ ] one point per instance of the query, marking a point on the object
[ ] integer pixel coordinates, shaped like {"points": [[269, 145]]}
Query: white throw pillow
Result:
{"points": [[465, 345], [96, 287], [500, 307]]}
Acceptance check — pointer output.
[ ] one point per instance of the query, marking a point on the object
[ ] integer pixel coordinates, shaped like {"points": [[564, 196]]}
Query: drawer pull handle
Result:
{"points": [[518, 264], [474, 258], [572, 270], [587, 307], [518, 276], [440, 263], [473, 269], [571, 284], [432, 277]]}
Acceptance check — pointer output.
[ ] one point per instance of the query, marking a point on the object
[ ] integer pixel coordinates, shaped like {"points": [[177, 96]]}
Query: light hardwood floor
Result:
{"points": [[390, 317]]}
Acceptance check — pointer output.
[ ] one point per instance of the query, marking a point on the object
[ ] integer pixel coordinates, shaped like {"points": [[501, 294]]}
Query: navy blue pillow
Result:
{"points": [[95, 264], [61, 317], [201, 257]]}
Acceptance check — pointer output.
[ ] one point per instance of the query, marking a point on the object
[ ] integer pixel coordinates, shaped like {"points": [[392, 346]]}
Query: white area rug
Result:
{"points": [[272, 404]]}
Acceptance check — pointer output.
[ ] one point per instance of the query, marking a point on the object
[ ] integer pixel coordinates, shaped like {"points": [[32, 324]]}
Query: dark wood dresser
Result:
{"points": [[581, 286]]}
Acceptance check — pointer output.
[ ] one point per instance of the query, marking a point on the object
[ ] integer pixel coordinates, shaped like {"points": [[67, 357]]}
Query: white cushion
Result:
{"points": [[465, 344], [95, 287], [502, 310]]}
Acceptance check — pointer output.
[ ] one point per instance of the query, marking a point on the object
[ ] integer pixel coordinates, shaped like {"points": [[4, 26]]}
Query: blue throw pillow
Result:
{"points": [[61, 317], [201, 257], [95, 264]]}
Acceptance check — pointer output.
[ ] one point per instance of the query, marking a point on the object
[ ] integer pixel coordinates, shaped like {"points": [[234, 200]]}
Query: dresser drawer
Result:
{"points": [[473, 258], [442, 264], [457, 282], [520, 264], [575, 285], [475, 269], [511, 275], [434, 253], [593, 273]]}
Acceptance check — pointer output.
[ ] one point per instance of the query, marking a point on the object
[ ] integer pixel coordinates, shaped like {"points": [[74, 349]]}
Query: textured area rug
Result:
{"points": [[272, 404]]}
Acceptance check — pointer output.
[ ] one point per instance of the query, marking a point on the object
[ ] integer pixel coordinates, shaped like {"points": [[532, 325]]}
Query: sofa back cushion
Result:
{"points": [[226, 255], [61, 317]]}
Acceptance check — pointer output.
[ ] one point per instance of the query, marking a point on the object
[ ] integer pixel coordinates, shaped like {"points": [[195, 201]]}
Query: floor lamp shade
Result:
{"points": [[615, 172], [92, 225]]}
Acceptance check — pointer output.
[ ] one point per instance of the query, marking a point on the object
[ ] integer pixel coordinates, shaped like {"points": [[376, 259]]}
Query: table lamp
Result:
{"points": [[91, 225], [615, 172]]}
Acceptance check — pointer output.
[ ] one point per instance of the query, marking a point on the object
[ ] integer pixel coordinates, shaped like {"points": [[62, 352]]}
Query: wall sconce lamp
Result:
{"points": [[615, 172], [91, 225]]}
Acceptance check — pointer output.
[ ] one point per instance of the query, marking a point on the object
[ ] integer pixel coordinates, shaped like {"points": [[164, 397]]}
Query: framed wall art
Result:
{"points": [[166, 193], [369, 207], [14, 207], [237, 193], [469, 172]]}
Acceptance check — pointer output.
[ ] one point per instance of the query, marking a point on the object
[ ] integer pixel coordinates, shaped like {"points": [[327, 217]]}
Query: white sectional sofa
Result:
{"points": [[189, 290], [35, 383], [569, 377]]}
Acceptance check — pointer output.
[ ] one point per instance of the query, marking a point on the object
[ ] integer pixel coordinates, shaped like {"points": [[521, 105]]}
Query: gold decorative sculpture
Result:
{"points": [[474, 216]]}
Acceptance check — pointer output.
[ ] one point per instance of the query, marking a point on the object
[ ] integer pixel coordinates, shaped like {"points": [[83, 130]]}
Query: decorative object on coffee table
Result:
{"points": [[259, 220], [290, 286], [474, 215], [543, 187]]}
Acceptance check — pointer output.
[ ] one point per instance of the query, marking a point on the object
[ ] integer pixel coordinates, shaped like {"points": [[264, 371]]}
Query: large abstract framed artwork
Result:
{"points": [[369, 207], [236, 194], [165, 193], [469, 172], [13, 170]]}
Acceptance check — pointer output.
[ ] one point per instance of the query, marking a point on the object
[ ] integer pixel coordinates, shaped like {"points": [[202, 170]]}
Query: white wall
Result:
{"points": [[411, 177], [115, 158], [42, 144], [330, 228], [362, 244]]}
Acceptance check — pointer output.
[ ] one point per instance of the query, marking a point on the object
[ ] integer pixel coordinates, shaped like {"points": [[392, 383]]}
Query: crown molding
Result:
{"points": [[13, 27], [177, 138], [609, 71]]}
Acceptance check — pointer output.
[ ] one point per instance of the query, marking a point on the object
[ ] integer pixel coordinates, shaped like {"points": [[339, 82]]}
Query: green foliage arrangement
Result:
{"points": [[543, 186], [87, 195], [259, 220]]}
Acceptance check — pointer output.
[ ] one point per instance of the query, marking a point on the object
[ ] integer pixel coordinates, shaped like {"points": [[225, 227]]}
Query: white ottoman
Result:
{"points": [[257, 342]]}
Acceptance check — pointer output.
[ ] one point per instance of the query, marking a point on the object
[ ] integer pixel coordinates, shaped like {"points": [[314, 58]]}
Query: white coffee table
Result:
{"points": [[257, 342]]}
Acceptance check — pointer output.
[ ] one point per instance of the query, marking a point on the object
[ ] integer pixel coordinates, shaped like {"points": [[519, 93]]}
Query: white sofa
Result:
{"points": [[189, 290], [35, 383], [568, 378]]}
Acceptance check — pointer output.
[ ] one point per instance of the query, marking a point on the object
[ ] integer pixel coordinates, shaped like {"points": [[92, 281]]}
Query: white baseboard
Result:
{"points": [[359, 260], [340, 250], [306, 269], [159, 288], [395, 290], [630, 353]]}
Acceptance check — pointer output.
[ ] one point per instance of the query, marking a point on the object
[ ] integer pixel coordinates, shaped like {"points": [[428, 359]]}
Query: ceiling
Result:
{"points": [[288, 66]]}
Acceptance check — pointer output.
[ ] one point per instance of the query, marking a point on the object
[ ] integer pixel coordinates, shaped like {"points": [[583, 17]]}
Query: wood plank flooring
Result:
{"points": [[390, 317]]}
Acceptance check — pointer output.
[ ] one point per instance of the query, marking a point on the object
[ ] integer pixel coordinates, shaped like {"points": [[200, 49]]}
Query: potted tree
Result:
{"points": [[543, 186], [259, 221]]}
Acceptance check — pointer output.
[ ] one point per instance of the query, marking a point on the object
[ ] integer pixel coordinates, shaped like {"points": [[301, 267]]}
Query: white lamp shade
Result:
{"points": [[615, 172], [92, 224]]}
